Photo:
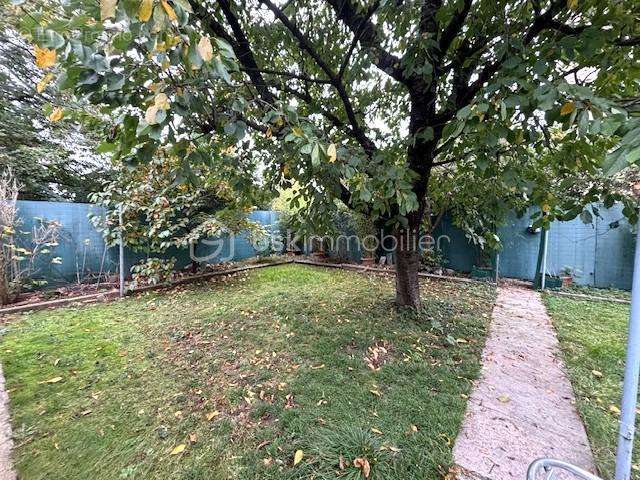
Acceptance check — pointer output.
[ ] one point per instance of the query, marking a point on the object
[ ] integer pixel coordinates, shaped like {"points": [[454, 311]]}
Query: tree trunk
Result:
{"points": [[407, 256]]}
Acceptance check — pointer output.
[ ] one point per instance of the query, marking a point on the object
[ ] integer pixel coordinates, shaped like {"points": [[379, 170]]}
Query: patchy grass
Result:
{"points": [[240, 374], [593, 338]]}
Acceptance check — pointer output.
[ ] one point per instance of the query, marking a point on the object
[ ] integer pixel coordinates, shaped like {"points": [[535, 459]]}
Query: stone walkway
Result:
{"points": [[522, 408], [6, 471]]}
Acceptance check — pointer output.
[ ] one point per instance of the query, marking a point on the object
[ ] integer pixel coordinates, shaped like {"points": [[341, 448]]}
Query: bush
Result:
{"points": [[152, 271]]}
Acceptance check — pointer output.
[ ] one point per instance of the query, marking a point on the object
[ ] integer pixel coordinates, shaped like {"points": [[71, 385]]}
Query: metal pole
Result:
{"points": [[544, 259], [121, 252], [631, 372], [497, 266]]}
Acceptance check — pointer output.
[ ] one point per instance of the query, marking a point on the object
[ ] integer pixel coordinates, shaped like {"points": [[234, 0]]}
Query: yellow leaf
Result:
{"points": [[161, 101], [298, 457], [45, 57], [615, 410], [205, 49], [376, 431], [53, 380], [108, 9], [56, 115], [546, 208], [572, 4], [297, 131], [504, 398], [179, 449], [42, 84], [375, 392], [171, 13], [332, 152], [150, 114], [269, 133], [145, 10], [414, 428], [596, 373], [212, 415], [567, 108]]}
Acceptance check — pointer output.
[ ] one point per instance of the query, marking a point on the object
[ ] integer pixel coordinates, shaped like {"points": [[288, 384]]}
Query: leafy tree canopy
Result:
{"points": [[353, 100]]}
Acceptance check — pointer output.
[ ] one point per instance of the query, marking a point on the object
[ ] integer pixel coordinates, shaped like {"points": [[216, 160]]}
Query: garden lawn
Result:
{"points": [[231, 378], [593, 339]]}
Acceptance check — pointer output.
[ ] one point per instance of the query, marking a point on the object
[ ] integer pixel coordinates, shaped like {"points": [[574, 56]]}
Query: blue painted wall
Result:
{"points": [[598, 254], [80, 244]]}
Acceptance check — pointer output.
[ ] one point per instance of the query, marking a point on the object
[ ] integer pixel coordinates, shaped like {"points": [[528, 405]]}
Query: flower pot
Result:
{"points": [[368, 262], [550, 281], [482, 272], [567, 280]]}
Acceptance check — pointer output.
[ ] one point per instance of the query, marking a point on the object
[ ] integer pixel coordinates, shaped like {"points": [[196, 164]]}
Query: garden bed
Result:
{"points": [[231, 378], [593, 339]]}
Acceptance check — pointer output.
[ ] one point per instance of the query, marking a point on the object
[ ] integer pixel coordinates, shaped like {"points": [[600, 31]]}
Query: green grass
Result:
{"points": [[593, 340], [598, 292], [279, 353]]}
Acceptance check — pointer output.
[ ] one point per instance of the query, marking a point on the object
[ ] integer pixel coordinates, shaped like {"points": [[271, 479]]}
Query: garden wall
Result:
{"points": [[83, 252], [599, 254]]}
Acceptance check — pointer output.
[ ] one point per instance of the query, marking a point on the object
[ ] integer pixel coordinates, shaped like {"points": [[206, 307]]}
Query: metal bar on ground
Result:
{"points": [[121, 253], [543, 273], [631, 372]]}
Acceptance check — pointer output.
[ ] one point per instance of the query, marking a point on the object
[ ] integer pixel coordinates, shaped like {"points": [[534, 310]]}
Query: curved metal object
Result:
{"points": [[546, 468]]}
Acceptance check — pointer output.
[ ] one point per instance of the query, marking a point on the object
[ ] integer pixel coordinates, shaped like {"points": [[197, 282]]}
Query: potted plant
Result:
{"points": [[483, 268], [366, 231], [566, 275]]}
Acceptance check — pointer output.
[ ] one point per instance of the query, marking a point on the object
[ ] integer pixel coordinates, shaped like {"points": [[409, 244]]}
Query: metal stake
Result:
{"points": [[544, 259], [631, 372], [121, 253], [497, 266]]}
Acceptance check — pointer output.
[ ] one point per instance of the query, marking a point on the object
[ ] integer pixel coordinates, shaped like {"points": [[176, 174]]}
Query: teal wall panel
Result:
{"points": [[81, 245]]}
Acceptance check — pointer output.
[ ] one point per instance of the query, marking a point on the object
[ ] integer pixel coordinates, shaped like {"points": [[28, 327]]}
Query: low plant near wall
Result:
{"points": [[21, 252], [152, 271]]}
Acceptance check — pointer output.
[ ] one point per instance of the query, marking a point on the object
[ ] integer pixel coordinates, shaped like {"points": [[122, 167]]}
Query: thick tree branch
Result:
{"points": [[452, 30], [370, 38], [428, 11]]}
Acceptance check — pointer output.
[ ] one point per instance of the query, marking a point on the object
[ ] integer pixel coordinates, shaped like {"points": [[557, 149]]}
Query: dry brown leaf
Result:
{"points": [[212, 415], [567, 108], [205, 49], [108, 9]]}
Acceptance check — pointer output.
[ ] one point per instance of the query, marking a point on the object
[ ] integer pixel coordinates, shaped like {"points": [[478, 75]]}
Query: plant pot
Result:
{"points": [[550, 281], [481, 273], [368, 262], [567, 280]]}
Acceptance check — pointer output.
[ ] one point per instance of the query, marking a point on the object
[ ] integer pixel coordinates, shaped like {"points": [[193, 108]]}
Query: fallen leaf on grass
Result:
{"points": [[414, 429], [85, 413], [596, 373], [615, 410], [179, 449], [193, 438], [504, 398], [364, 465], [298, 457], [211, 415], [376, 431], [375, 392], [53, 380]]}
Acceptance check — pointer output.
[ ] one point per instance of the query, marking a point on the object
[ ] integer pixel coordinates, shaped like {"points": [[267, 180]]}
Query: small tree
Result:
{"points": [[20, 251]]}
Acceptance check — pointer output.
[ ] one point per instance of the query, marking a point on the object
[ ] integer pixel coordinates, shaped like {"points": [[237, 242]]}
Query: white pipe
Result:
{"points": [[631, 372], [121, 253], [543, 279]]}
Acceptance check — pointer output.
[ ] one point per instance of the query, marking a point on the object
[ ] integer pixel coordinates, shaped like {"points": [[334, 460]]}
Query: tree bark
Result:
{"points": [[407, 254]]}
